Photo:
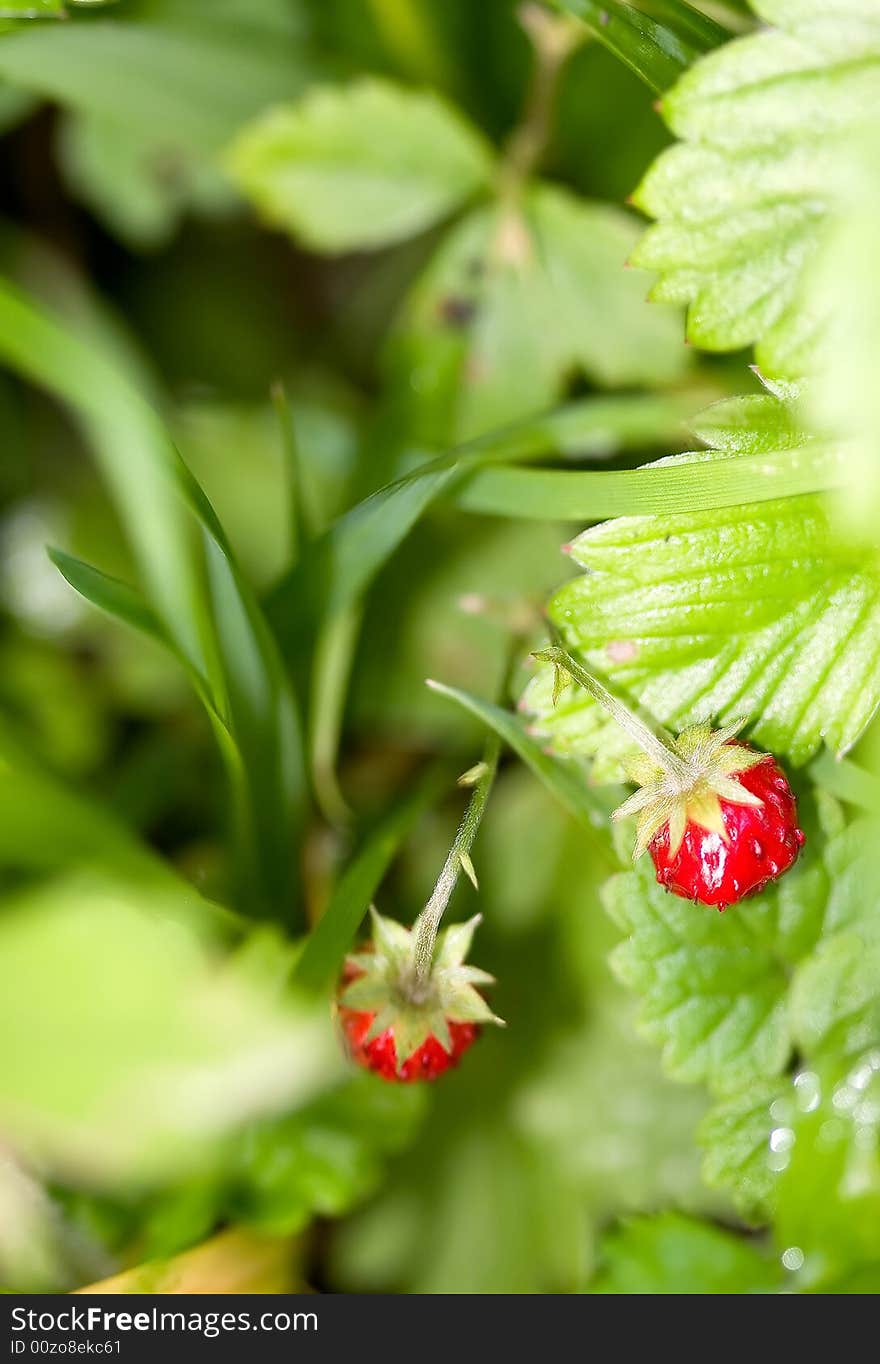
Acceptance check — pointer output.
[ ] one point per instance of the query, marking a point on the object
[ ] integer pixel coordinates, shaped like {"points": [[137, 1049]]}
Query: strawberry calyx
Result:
{"points": [[692, 790], [683, 780], [408, 1002]]}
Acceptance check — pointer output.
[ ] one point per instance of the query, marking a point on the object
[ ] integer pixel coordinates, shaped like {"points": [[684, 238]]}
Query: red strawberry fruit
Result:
{"points": [[407, 1023], [430, 1060], [718, 818], [757, 843]]}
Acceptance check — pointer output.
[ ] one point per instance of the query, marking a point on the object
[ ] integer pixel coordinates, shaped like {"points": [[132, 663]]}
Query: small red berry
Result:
{"points": [[380, 1055], [406, 1024], [718, 818], [762, 841]]}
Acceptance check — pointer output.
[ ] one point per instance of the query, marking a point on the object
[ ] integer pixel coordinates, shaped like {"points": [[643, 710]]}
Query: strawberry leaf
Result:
{"points": [[735, 1135], [513, 302], [675, 1254], [743, 200], [756, 611], [347, 169]]}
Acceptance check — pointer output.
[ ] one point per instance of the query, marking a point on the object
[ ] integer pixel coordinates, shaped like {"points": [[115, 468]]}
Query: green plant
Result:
{"points": [[363, 354]]}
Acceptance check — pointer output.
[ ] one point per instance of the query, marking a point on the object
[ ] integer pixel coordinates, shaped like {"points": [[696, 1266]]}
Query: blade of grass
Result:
{"points": [[657, 49], [337, 568], [109, 594], [193, 582], [593, 495], [300, 529], [324, 953]]}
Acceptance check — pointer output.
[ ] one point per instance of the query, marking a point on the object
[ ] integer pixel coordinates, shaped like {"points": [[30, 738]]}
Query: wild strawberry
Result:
{"points": [[407, 1023], [726, 832], [718, 818]]}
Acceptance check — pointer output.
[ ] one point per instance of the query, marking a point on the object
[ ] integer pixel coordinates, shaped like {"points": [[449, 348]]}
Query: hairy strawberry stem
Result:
{"points": [[658, 746], [428, 922]]}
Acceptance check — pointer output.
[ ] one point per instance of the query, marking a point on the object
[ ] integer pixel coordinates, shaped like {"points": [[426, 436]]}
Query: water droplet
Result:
{"points": [[781, 1143], [793, 1258], [757, 847], [807, 1091]]}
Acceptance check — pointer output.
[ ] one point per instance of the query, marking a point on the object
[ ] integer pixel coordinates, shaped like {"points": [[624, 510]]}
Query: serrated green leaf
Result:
{"points": [[845, 289], [743, 201], [355, 167], [835, 995], [518, 297], [755, 611], [675, 1254], [735, 1135], [715, 988], [714, 1001]]}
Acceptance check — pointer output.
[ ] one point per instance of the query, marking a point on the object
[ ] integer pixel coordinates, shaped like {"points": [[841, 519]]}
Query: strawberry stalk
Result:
{"points": [[458, 860], [658, 746]]}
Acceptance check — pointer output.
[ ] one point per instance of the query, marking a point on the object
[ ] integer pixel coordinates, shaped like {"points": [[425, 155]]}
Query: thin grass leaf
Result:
{"points": [[593, 495], [324, 953], [109, 594], [339, 565], [193, 582], [656, 49]]}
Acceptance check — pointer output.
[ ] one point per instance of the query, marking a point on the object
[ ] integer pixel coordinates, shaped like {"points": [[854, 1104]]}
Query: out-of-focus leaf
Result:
{"points": [[236, 1261], [137, 187], [46, 825], [601, 1110], [137, 1046], [151, 93], [847, 781], [351, 168], [674, 1254], [44, 9], [829, 1189], [743, 201], [844, 290], [516, 299], [324, 1159]]}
